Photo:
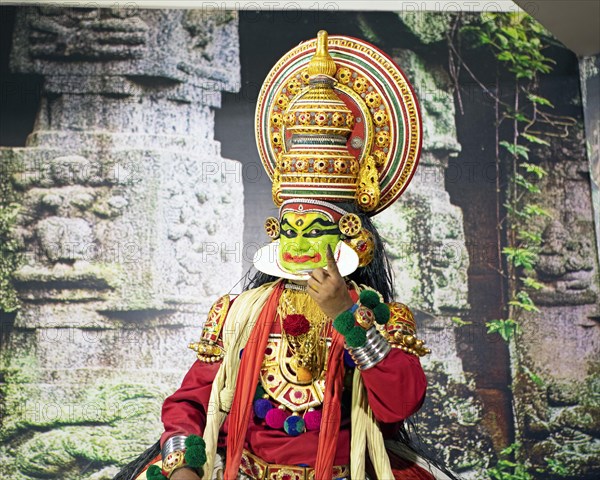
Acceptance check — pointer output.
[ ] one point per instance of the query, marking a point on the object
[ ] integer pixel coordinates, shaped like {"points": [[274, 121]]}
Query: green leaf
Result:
{"points": [[535, 169], [511, 32], [536, 27], [512, 448], [523, 300], [544, 69], [484, 39], [459, 322], [516, 150], [503, 40], [524, 74], [526, 235], [532, 283], [489, 17], [506, 328], [521, 118], [505, 56], [534, 139], [534, 378], [557, 467], [527, 308], [518, 213], [509, 208], [532, 210], [469, 28], [520, 257], [530, 187], [539, 100]]}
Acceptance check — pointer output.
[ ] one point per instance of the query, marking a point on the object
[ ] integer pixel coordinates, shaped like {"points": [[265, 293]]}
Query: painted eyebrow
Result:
{"points": [[324, 223], [285, 222], [319, 221]]}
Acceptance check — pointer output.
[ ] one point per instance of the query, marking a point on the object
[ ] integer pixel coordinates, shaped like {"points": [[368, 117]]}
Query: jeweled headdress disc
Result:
{"points": [[314, 146]]}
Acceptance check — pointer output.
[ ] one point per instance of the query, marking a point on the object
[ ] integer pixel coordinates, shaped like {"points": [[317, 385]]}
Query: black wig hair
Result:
{"points": [[133, 469]]}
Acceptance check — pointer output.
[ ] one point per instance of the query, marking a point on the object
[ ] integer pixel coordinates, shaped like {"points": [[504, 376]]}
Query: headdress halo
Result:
{"points": [[337, 120]]}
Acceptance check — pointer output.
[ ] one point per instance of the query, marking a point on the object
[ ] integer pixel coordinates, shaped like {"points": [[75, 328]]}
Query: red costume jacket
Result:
{"points": [[395, 388]]}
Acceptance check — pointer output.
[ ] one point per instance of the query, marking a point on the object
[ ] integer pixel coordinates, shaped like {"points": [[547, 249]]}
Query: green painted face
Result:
{"points": [[304, 239]]}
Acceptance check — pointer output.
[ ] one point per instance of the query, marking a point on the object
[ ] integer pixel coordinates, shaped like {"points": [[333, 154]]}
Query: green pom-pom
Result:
{"points": [[154, 473], [344, 322], [260, 392], [382, 313], [369, 299], [195, 451], [194, 440], [356, 338], [195, 456]]}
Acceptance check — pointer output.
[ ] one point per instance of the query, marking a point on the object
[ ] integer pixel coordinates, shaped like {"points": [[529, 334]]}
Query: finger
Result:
{"points": [[313, 285], [312, 294], [319, 275], [331, 265]]}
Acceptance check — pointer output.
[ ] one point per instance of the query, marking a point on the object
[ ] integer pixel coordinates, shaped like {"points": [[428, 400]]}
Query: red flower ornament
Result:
{"points": [[295, 325]]}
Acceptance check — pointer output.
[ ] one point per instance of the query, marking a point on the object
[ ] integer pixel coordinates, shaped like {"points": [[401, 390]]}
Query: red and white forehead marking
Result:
{"points": [[332, 212]]}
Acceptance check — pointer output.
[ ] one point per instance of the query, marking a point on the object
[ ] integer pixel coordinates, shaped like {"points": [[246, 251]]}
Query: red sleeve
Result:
{"points": [[184, 412], [395, 386]]}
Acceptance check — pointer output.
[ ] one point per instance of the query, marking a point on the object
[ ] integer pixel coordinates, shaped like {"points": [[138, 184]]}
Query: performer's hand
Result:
{"points": [[328, 288], [185, 474]]}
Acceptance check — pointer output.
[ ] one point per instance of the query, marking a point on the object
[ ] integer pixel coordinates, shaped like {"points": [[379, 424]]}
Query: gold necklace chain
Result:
{"points": [[308, 349]]}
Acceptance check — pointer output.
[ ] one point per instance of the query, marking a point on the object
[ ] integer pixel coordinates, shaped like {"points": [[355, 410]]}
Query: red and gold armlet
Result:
{"points": [[208, 348], [401, 331]]}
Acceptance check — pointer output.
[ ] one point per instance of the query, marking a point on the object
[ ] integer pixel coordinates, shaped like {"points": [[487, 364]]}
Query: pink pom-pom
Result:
{"points": [[312, 419], [275, 418]]}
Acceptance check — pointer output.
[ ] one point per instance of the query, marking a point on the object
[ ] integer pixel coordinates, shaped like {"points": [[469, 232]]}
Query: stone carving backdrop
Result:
{"points": [[130, 206], [122, 191]]}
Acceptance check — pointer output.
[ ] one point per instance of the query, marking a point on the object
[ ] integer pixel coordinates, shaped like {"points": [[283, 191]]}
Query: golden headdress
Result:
{"points": [[337, 121]]}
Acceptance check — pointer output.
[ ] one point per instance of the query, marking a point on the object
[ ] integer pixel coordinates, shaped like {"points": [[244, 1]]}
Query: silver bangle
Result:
{"points": [[172, 444], [372, 352]]}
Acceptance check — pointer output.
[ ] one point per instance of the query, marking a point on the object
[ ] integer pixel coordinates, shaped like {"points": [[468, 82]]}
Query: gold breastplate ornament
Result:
{"points": [[294, 366], [292, 375], [278, 373]]}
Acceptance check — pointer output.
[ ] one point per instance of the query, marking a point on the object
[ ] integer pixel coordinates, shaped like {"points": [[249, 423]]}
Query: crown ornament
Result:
{"points": [[318, 162], [337, 121]]}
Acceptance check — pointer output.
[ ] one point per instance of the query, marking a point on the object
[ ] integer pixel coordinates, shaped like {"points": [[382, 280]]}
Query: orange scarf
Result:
{"points": [[252, 358], [241, 408]]}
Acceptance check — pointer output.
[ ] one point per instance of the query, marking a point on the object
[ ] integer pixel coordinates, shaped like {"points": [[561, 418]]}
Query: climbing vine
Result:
{"points": [[517, 42], [524, 123]]}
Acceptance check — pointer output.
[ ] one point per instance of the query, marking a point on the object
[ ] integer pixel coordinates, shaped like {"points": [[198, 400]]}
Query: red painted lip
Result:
{"points": [[288, 257]]}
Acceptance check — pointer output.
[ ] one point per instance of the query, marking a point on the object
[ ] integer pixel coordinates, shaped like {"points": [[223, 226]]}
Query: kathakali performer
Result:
{"points": [[309, 373]]}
